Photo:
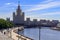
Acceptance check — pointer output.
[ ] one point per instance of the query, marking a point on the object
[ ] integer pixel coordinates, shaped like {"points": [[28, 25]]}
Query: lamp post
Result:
{"points": [[39, 32], [18, 33]]}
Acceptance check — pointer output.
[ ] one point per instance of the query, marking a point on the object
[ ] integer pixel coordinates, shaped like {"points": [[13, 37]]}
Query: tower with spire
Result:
{"points": [[18, 16]]}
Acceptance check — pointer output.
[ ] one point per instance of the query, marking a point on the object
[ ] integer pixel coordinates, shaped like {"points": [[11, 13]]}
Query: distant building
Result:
{"points": [[8, 19], [18, 17], [28, 22], [55, 21], [43, 21], [28, 19], [58, 25], [35, 22]]}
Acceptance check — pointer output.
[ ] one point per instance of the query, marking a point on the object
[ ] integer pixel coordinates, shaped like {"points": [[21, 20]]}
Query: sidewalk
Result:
{"points": [[4, 37], [11, 33]]}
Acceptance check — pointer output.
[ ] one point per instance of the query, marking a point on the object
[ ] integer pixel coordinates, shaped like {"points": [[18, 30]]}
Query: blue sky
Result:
{"points": [[35, 9]]}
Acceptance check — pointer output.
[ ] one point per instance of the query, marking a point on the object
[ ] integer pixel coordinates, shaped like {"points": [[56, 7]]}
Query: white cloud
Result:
{"points": [[8, 3], [15, 4], [47, 1], [49, 14], [44, 6]]}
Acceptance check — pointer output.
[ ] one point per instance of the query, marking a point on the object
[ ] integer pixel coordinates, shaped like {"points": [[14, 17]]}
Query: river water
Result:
{"points": [[45, 34]]}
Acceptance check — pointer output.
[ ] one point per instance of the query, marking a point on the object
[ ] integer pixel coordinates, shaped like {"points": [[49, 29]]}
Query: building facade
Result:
{"points": [[18, 16]]}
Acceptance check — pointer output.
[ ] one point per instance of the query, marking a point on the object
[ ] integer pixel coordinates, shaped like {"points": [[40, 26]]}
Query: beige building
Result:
{"points": [[18, 16]]}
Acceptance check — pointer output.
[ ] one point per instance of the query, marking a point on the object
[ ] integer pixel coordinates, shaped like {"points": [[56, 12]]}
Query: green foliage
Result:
{"points": [[5, 24]]}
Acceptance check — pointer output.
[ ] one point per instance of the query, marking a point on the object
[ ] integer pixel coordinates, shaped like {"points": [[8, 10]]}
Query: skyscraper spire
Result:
{"points": [[18, 4], [18, 9]]}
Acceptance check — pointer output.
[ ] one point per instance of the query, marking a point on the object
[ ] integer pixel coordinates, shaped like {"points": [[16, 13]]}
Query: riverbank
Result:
{"points": [[12, 34], [55, 28]]}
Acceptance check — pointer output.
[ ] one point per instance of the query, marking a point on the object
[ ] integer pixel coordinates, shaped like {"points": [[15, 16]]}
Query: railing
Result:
{"points": [[12, 34]]}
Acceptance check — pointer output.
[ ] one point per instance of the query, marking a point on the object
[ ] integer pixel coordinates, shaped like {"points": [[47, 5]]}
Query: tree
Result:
{"points": [[5, 24]]}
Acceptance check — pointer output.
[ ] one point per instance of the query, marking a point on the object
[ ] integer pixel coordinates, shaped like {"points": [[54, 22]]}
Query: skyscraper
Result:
{"points": [[18, 16]]}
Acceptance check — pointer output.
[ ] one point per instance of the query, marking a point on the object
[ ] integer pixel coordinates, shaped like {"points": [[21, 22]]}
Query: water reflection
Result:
{"points": [[45, 34]]}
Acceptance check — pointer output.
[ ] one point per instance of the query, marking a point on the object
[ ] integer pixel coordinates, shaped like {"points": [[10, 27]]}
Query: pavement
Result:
{"points": [[11, 35], [4, 37]]}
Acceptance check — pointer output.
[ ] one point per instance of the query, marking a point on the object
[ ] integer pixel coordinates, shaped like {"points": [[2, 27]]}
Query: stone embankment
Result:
{"points": [[4, 37], [11, 33]]}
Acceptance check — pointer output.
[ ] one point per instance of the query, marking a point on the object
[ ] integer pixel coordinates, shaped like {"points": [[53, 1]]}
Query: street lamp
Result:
{"points": [[18, 33], [39, 32]]}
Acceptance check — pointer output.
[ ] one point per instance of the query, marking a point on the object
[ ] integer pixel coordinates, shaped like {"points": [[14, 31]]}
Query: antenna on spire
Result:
{"points": [[18, 2], [18, 5]]}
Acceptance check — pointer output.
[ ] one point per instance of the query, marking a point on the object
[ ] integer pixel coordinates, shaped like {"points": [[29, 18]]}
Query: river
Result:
{"points": [[45, 33]]}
